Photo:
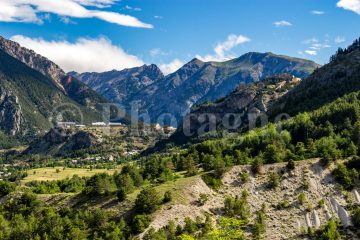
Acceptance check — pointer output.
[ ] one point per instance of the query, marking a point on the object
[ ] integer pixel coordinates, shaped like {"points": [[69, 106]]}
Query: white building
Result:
{"points": [[115, 124], [98, 124]]}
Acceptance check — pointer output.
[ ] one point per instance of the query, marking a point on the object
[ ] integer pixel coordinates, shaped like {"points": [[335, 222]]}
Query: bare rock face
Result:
{"points": [[356, 195], [316, 219], [308, 220], [34, 61], [11, 117], [344, 216]]}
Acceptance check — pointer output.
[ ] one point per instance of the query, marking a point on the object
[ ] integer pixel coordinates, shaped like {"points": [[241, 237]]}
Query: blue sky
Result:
{"points": [[94, 35]]}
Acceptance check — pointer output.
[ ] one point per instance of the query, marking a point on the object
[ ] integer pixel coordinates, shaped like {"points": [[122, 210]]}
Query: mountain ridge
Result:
{"points": [[88, 97], [195, 82]]}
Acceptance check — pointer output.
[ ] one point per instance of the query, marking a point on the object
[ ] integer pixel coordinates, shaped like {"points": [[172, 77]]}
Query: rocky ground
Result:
{"points": [[309, 178]]}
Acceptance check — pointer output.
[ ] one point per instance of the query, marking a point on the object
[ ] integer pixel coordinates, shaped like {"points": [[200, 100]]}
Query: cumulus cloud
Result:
{"points": [[29, 11], [315, 45], [222, 51], [317, 12], [84, 55], [171, 67], [339, 39], [311, 52], [282, 24], [351, 5]]}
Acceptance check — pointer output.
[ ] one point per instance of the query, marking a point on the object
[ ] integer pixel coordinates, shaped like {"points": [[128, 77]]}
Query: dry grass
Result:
{"points": [[51, 174]]}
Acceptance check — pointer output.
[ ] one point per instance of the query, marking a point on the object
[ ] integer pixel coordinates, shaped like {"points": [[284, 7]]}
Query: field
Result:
{"points": [[58, 173]]}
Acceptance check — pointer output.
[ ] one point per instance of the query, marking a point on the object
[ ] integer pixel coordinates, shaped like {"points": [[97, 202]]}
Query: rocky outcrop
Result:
{"points": [[78, 141], [11, 116], [62, 142]]}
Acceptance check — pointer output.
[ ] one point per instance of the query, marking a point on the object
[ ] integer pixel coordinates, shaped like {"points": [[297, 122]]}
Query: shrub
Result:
{"points": [[121, 194], [140, 223], [290, 165], [330, 231], [237, 207], [259, 225], [148, 201], [6, 188], [274, 180], [345, 177], [301, 198], [203, 198], [211, 181], [100, 184], [283, 204], [167, 197], [244, 176], [356, 217]]}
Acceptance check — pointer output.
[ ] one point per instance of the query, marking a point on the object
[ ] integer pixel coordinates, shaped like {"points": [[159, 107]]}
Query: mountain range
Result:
{"points": [[194, 83], [273, 97]]}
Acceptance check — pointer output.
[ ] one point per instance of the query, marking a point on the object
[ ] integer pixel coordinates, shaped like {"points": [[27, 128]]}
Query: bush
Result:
{"points": [[6, 188], [140, 223], [283, 204], [244, 176], [121, 194], [356, 217], [290, 165], [100, 185], [203, 198], [148, 201], [347, 178], [330, 231], [237, 207], [301, 198], [274, 180], [167, 197], [259, 226], [212, 181]]}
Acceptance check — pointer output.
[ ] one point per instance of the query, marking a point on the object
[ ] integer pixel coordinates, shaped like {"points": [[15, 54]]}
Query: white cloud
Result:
{"points": [[339, 39], [352, 5], [222, 49], [282, 24], [84, 55], [29, 10], [158, 17], [317, 12], [314, 45], [171, 67], [311, 52], [127, 7], [97, 3], [158, 52]]}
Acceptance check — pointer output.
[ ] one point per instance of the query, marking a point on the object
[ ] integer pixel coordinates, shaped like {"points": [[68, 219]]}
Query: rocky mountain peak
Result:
{"points": [[34, 61]]}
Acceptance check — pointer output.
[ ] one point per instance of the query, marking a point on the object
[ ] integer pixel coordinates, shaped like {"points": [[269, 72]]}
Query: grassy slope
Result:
{"points": [[50, 174]]}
